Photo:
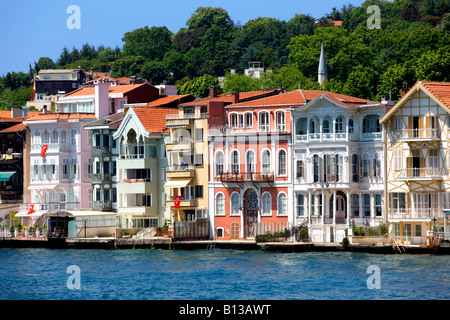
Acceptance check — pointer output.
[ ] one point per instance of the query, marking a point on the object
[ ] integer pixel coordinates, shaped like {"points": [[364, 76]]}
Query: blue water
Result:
{"points": [[218, 275]]}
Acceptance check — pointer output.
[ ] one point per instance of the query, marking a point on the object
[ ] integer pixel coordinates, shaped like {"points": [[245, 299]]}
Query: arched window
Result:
{"points": [[36, 137], [54, 138], [264, 121], [282, 165], [249, 120], [234, 161], [220, 204], [378, 205], [316, 167], [219, 163], [282, 204], [326, 126], [63, 138], [265, 161], [339, 125], [234, 120], [234, 204], [281, 121], [266, 204], [250, 165], [366, 199]]}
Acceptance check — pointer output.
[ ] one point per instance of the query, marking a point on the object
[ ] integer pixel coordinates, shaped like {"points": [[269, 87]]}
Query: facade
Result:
{"points": [[51, 84], [188, 152], [417, 166], [337, 164], [141, 167]]}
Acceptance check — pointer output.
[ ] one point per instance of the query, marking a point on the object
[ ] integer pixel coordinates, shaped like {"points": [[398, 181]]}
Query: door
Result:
{"points": [[340, 209], [251, 213]]}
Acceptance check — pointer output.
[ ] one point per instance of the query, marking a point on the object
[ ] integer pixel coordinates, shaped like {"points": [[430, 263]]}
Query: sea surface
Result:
{"points": [[145, 274]]}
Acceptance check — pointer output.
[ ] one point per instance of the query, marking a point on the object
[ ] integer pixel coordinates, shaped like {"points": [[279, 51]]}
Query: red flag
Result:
{"points": [[177, 202], [31, 209], [44, 150], [32, 90]]}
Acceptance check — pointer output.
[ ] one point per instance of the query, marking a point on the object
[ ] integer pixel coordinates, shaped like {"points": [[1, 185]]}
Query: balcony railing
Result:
{"points": [[100, 150], [339, 136], [420, 173], [52, 206], [246, 177], [420, 134], [186, 116], [181, 168], [98, 177], [232, 130], [412, 213]]}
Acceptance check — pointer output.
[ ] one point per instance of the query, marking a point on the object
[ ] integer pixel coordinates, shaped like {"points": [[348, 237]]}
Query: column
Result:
{"points": [[334, 206]]}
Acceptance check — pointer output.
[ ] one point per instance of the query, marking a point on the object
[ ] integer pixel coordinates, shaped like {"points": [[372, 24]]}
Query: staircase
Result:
{"points": [[211, 244], [398, 248]]}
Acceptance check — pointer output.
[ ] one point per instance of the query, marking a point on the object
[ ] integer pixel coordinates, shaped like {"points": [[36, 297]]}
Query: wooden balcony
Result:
{"points": [[420, 174], [246, 177]]}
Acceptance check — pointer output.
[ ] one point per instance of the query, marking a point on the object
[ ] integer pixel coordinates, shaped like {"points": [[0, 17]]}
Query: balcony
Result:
{"points": [[102, 205], [184, 202], [419, 134], [101, 177], [246, 177], [186, 171], [420, 174], [101, 150], [236, 130], [136, 186], [186, 116], [321, 137], [411, 213]]}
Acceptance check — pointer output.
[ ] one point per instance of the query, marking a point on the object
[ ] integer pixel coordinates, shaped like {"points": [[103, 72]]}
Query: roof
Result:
{"points": [[111, 121], [228, 97], [61, 116], [90, 91], [167, 100], [58, 70], [439, 92], [154, 119], [15, 128], [301, 97]]}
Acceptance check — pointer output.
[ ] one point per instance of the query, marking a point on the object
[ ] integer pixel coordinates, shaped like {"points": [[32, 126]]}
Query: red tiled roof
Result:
{"points": [[228, 97], [61, 116], [15, 128], [441, 90], [166, 100], [299, 97], [90, 91], [154, 119]]}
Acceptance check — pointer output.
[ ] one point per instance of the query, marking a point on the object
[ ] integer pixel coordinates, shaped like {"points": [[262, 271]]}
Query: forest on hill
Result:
{"points": [[412, 44]]}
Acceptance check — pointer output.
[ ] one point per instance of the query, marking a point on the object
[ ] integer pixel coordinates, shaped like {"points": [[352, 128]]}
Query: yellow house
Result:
{"points": [[417, 162]]}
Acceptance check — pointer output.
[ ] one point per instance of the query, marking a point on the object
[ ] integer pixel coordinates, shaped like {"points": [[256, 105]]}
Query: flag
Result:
{"points": [[177, 202], [31, 209], [44, 150], [32, 90]]}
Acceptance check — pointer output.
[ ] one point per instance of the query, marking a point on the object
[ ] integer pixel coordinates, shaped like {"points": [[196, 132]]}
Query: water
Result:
{"points": [[218, 275]]}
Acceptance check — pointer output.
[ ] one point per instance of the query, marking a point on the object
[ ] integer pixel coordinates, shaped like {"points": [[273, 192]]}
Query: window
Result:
{"points": [[378, 209], [434, 162], [249, 119], [312, 126], [281, 121], [37, 137], [45, 137], [54, 137], [300, 205], [266, 161], [339, 167], [198, 134], [326, 126], [316, 167], [234, 204], [282, 165], [398, 203], [351, 126], [300, 173], [313, 206], [199, 191], [365, 166], [234, 161], [264, 122], [219, 232], [73, 136], [371, 124], [63, 139], [355, 205], [250, 167], [376, 166], [339, 125], [219, 163], [220, 204], [397, 159], [234, 120], [266, 204], [397, 124], [366, 198], [282, 204]]}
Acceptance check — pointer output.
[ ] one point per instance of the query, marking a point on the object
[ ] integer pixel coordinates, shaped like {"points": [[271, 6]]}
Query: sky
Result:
{"points": [[32, 29]]}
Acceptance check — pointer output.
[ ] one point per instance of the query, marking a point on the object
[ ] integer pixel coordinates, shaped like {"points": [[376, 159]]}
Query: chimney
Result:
{"points": [[235, 97], [16, 112], [404, 91], [44, 109], [213, 92], [101, 102], [24, 111]]}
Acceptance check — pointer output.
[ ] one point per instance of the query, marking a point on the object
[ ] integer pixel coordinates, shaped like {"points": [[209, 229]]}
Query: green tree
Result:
{"points": [[128, 66], [208, 17], [150, 43], [200, 86], [64, 58]]}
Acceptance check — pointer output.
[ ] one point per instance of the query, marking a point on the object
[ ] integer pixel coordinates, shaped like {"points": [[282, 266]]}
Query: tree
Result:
{"points": [[64, 58], [128, 66], [154, 71], [43, 64], [208, 17], [434, 65], [200, 86], [150, 43]]}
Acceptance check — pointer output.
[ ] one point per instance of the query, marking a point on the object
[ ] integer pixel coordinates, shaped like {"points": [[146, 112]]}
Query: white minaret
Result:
{"points": [[323, 73]]}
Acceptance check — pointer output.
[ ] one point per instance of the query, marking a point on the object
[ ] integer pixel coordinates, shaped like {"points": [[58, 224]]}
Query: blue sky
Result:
{"points": [[32, 29]]}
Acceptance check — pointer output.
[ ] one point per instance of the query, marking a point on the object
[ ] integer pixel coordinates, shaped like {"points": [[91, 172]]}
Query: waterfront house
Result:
{"points": [[417, 162], [337, 164], [251, 176], [189, 156]]}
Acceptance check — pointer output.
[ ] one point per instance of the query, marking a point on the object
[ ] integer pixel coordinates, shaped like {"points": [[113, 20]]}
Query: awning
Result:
{"points": [[5, 175], [177, 183], [35, 214], [91, 213], [42, 187]]}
